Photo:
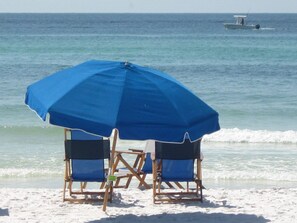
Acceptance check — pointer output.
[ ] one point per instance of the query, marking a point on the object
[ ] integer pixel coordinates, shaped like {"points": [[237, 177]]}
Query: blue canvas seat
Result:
{"points": [[177, 170], [179, 163], [86, 156], [88, 170]]}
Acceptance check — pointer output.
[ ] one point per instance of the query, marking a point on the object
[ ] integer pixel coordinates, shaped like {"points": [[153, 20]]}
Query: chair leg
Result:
{"points": [[155, 188], [201, 188], [102, 185], [128, 181], [154, 192], [159, 186], [154, 180], [70, 188], [108, 189], [64, 191], [117, 182], [81, 187], [179, 185], [110, 194], [169, 185], [197, 188], [143, 179]]}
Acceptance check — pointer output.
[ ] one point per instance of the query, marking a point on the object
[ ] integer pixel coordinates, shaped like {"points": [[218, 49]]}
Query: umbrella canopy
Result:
{"points": [[140, 102]]}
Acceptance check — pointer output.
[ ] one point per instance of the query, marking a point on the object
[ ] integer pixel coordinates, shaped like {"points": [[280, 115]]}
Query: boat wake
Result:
{"points": [[267, 28]]}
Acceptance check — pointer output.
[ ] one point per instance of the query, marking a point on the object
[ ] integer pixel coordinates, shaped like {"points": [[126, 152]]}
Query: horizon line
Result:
{"points": [[146, 13]]}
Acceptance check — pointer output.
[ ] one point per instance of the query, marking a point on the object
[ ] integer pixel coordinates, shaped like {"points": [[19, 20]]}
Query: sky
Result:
{"points": [[150, 6]]}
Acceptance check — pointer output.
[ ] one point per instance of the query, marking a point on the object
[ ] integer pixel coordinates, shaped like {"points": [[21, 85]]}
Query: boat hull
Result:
{"points": [[238, 26]]}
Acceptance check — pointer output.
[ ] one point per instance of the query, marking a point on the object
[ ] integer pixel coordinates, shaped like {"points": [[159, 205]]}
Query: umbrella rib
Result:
{"points": [[116, 120]]}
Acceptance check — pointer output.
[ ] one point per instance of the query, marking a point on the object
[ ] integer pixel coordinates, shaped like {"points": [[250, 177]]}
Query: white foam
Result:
{"points": [[236, 135], [250, 175], [27, 172], [267, 28]]}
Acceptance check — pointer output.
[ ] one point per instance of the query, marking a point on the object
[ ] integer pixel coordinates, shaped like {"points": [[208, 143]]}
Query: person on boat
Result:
{"points": [[242, 21]]}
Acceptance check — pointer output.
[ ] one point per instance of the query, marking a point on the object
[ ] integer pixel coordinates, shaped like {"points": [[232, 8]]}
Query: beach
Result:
{"points": [[134, 205], [247, 76]]}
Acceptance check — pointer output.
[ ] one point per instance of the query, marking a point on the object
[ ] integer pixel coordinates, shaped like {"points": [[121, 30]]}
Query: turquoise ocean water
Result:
{"points": [[248, 76]]}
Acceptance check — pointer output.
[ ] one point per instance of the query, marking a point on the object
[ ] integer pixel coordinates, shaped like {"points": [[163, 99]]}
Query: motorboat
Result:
{"points": [[240, 23]]}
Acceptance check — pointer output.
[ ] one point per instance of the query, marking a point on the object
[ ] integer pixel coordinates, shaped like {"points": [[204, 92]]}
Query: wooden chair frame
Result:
{"points": [[87, 196], [180, 194], [134, 170]]}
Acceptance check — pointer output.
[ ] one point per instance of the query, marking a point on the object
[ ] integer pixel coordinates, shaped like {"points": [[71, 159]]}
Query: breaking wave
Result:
{"points": [[236, 135]]}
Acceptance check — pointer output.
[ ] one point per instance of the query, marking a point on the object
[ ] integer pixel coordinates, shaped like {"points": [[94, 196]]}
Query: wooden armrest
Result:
{"points": [[128, 152], [136, 150]]}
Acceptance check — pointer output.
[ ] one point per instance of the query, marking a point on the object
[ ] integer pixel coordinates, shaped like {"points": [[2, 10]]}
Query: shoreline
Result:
{"points": [[220, 205], [56, 183]]}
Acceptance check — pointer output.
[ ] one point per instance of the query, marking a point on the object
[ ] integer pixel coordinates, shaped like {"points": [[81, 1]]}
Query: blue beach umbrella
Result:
{"points": [[139, 102]]}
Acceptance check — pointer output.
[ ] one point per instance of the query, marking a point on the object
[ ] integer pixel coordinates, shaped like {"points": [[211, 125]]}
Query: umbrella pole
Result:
{"points": [[109, 185]]}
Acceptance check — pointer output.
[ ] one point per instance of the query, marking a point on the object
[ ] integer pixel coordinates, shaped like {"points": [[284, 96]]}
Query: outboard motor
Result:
{"points": [[257, 26]]}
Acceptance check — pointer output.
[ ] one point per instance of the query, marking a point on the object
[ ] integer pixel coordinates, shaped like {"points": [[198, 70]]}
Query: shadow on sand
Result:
{"points": [[118, 202], [186, 217]]}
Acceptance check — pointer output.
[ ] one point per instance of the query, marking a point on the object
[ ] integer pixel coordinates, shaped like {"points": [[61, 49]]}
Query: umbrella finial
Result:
{"points": [[127, 64]]}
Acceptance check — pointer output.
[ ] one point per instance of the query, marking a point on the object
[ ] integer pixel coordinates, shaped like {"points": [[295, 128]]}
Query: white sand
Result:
{"points": [[134, 205]]}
